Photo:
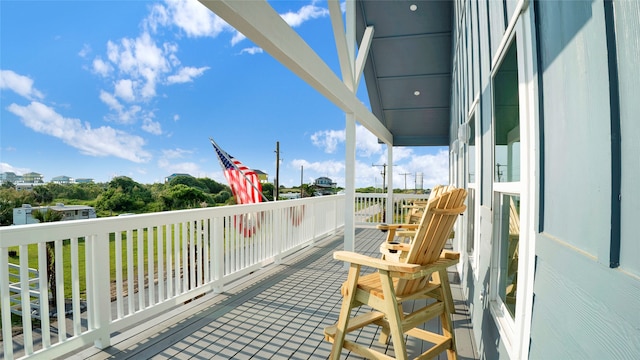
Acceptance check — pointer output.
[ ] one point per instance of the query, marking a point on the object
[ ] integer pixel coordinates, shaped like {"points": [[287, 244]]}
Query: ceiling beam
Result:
{"points": [[258, 21]]}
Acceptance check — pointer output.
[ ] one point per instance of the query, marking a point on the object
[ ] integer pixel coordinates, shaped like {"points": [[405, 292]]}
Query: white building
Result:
{"points": [[22, 215]]}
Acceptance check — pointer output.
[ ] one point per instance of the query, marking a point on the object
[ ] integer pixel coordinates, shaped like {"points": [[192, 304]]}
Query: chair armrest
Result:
{"points": [[395, 246], [355, 258], [397, 226]]}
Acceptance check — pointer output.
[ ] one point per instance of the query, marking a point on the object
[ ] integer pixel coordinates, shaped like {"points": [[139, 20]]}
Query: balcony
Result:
{"points": [[252, 296]]}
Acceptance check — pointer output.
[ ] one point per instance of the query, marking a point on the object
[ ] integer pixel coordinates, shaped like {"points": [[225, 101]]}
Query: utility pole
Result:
{"points": [[405, 180], [277, 185], [384, 175], [301, 180]]}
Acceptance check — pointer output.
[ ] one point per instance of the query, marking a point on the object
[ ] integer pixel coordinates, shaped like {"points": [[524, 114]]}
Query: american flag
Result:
{"points": [[244, 182]]}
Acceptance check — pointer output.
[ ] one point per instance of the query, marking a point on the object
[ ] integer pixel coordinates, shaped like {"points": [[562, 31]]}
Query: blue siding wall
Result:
{"points": [[582, 308]]}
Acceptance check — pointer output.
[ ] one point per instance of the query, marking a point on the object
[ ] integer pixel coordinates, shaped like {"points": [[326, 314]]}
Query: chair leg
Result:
{"points": [[392, 311], [443, 278], [345, 311], [445, 316]]}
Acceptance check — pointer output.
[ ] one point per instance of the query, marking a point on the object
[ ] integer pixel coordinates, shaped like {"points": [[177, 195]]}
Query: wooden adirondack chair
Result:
{"points": [[396, 282], [406, 230]]}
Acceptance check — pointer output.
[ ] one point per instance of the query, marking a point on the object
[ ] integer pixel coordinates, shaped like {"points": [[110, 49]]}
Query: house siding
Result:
{"points": [[582, 307]]}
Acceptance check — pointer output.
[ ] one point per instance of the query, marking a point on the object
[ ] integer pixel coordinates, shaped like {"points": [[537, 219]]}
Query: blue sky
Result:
{"points": [[97, 89]]}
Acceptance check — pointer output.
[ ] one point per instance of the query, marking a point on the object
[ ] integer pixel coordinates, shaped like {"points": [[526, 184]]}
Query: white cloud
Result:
{"points": [[152, 127], [190, 16], [325, 168], [21, 85], [307, 12], [328, 140], [110, 101], [86, 49], [252, 50], [400, 153], [366, 143], [5, 167], [124, 90], [101, 67], [142, 60], [165, 162], [186, 74], [434, 167], [176, 117], [102, 141], [175, 153], [293, 19], [237, 37]]}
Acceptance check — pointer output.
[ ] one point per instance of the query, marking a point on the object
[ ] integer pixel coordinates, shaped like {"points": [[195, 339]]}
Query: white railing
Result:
{"points": [[370, 208], [123, 270], [118, 271]]}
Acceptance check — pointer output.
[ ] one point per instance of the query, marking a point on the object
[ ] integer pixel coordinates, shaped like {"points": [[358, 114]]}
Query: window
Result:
{"points": [[471, 176], [506, 184], [508, 241]]}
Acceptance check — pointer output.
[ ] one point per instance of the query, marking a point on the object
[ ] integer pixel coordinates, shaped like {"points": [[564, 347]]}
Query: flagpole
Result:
{"points": [[224, 153]]}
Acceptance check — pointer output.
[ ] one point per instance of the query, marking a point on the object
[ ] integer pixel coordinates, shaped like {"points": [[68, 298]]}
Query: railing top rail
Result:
{"points": [[43, 232]]}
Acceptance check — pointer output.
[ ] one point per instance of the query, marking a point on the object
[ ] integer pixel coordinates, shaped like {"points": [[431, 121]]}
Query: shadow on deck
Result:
{"points": [[279, 313]]}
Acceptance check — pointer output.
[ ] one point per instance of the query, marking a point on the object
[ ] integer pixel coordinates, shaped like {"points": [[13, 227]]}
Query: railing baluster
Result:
{"points": [[169, 250], [161, 236], [43, 291], [191, 241], [75, 289], [5, 303], [130, 292], [185, 261], [176, 258], [90, 285], [26, 300], [140, 268], [118, 271], [58, 263], [151, 238]]}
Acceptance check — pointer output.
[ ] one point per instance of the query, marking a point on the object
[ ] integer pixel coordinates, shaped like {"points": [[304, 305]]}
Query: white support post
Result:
{"points": [[350, 190], [389, 208], [102, 289]]}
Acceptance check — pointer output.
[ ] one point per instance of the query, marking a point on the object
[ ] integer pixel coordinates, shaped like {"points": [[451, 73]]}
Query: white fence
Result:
{"points": [[118, 271], [370, 208], [159, 260]]}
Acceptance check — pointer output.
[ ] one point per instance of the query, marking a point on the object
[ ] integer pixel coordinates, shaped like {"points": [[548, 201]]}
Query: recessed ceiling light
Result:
{"points": [[413, 7], [416, 93]]}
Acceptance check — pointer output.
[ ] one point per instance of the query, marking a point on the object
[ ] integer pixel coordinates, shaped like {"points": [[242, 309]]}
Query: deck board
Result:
{"points": [[279, 313]]}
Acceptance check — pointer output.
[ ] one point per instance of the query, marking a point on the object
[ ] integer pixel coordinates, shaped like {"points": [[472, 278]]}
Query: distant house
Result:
{"points": [[324, 182], [62, 180], [262, 176], [173, 176], [84, 181], [324, 185], [22, 215], [33, 177], [10, 177]]}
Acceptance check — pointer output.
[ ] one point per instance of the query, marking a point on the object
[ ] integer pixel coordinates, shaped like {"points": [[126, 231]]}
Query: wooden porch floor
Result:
{"points": [[279, 313]]}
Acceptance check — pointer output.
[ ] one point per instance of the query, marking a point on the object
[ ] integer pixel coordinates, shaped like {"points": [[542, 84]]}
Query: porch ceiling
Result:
{"points": [[410, 53]]}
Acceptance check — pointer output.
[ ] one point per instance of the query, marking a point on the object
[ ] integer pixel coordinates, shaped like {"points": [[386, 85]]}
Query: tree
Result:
{"points": [[186, 180], [212, 186], [42, 194], [182, 196], [50, 216], [11, 198], [124, 195], [268, 191]]}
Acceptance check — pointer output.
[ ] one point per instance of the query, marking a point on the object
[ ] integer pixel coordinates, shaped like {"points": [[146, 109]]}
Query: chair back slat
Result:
{"points": [[435, 227]]}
